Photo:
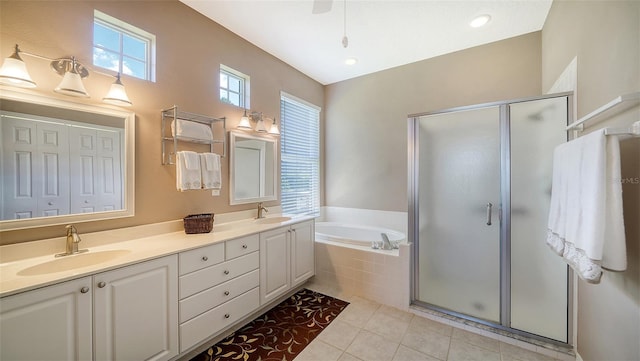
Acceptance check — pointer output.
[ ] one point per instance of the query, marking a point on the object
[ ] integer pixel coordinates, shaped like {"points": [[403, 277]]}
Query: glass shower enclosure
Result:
{"points": [[479, 192]]}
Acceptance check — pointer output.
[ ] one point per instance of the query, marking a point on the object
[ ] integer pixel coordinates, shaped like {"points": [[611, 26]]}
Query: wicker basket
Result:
{"points": [[198, 223]]}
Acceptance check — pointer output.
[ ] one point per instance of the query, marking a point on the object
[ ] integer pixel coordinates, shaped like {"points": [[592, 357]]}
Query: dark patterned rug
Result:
{"points": [[281, 333]]}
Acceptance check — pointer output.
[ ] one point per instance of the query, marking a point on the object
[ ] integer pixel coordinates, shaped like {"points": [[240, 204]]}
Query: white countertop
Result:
{"points": [[137, 244]]}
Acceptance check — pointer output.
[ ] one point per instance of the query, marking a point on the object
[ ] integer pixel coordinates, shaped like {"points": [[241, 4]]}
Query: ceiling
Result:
{"points": [[382, 33]]}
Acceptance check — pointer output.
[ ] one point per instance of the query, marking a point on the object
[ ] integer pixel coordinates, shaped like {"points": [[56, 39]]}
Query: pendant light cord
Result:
{"points": [[345, 40]]}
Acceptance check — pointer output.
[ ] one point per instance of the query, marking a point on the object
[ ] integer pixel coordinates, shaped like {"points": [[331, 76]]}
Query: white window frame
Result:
{"points": [[130, 30], [245, 86], [310, 165]]}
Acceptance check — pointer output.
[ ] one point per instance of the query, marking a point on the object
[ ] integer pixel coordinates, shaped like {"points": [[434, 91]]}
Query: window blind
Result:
{"points": [[300, 156]]}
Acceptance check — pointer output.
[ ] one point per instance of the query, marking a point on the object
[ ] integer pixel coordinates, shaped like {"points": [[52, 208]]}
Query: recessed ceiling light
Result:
{"points": [[479, 21], [351, 61]]}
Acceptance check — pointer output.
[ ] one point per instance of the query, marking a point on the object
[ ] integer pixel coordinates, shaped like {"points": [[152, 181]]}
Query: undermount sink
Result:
{"points": [[71, 262], [270, 220]]}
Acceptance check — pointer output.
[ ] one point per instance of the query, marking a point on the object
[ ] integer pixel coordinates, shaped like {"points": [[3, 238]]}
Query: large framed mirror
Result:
{"points": [[252, 170], [62, 161]]}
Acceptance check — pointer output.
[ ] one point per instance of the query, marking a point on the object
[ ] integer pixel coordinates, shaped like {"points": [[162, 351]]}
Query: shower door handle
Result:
{"points": [[489, 205]]}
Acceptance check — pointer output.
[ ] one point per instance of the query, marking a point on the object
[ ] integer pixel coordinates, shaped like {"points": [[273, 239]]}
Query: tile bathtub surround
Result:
{"points": [[381, 276], [370, 331]]}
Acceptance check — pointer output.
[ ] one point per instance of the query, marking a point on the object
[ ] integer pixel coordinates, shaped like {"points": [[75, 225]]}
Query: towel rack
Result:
{"points": [[620, 103], [173, 114], [633, 130]]}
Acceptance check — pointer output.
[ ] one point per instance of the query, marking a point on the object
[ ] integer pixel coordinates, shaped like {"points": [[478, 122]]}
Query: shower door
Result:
{"points": [[479, 192], [459, 199]]}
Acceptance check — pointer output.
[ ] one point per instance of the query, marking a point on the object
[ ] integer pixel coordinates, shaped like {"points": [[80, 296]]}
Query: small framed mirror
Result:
{"points": [[252, 170], [63, 162]]}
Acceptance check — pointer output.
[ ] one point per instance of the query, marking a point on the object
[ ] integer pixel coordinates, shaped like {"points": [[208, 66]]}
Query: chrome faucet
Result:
{"points": [[260, 209], [73, 238], [386, 244]]}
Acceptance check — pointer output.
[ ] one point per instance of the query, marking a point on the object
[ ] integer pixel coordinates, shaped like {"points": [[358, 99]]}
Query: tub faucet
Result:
{"points": [[73, 238], [260, 209], [386, 244]]}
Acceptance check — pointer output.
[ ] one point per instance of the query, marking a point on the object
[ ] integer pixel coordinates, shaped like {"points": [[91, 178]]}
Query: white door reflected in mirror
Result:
{"points": [[63, 162]]}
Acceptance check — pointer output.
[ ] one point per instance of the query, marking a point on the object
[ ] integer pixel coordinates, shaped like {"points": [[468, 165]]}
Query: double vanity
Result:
{"points": [[150, 292]]}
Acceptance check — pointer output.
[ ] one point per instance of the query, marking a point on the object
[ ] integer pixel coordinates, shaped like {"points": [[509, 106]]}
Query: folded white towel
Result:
{"points": [[192, 130], [211, 174], [585, 225], [188, 171]]}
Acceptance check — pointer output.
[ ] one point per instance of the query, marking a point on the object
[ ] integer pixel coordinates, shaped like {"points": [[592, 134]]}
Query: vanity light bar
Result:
{"points": [[14, 72]]}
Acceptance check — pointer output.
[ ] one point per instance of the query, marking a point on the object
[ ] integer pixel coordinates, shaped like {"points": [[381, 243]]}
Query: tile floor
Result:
{"points": [[368, 331]]}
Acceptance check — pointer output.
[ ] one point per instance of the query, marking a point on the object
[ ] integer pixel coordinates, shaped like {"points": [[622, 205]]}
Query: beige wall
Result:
{"points": [[366, 117], [190, 48], [605, 37]]}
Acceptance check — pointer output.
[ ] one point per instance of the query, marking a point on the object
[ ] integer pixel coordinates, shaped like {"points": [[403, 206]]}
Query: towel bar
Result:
{"points": [[633, 131]]}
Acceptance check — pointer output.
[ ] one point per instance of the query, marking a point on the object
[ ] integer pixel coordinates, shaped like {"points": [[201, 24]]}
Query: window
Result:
{"points": [[123, 48], [234, 87], [300, 153]]}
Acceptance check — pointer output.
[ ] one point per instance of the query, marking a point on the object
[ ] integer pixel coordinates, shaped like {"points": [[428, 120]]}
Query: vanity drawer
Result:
{"points": [[200, 258], [211, 276], [211, 322], [241, 246], [215, 296]]}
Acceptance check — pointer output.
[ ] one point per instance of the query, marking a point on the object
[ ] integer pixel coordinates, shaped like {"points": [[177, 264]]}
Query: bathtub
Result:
{"points": [[355, 235], [346, 263]]}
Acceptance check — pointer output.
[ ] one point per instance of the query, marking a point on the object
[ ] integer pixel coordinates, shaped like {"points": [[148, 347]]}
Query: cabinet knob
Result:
{"points": [[226, 315], [205, 258], [226, 271], [50, 203], [226, 293], [86, 201], [101, 284], [244, 246], [84, 289]]}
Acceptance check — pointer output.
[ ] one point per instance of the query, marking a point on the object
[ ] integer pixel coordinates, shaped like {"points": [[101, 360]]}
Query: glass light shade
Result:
{"points": [[274, 128], [260, 128], [14, 72], [117, 94], [72, 85], [244, 122]]}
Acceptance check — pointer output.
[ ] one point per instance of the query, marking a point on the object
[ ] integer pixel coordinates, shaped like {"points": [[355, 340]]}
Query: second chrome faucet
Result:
{"points": [[261, 208]]}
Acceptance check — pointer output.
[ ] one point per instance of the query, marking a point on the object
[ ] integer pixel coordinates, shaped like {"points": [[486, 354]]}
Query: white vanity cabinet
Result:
{"points": [[160, 308], [302, 252], [136, 311], [49, 323], [130, 311], [275, 278], [218, 286], [286, 259]]}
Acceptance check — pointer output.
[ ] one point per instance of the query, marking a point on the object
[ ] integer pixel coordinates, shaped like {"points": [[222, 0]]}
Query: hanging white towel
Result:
{"points": [[211, 174], [188, 174], [192, 130], [585, 225]]}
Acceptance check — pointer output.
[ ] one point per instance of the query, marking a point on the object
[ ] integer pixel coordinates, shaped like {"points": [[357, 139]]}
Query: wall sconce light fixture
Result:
{"points": [[245, 123], [117, 95], [14, 72], [274, 128], [72, 73]]}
